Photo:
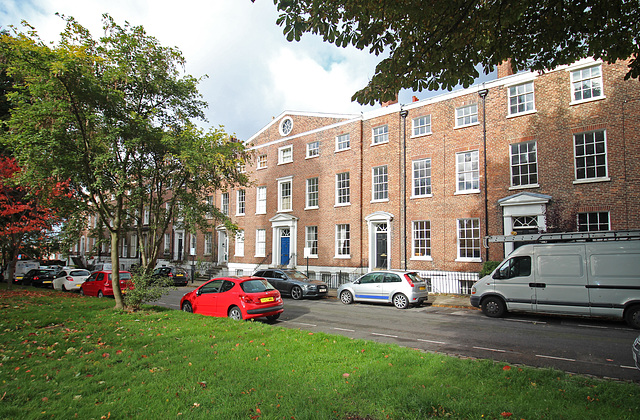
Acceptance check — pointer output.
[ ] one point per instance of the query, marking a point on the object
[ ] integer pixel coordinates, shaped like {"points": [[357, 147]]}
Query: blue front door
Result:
{"points": [[284, 251]]}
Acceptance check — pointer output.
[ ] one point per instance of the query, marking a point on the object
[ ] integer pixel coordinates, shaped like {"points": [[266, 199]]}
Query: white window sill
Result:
{"points": [[465, 126], [311, 157], [261, 168], [258, 256], [523, 187], [426, 258], [285, 211], [384, 200], [240, 214], [313, 257], [343, 150], [469, 260], [520, 114], [312, 208], [467, 192], [284, 163], [342, 205], [342, 257], [378, 144], [415, 136], [413, 197], [590, 180], [261, 212], [582, 101]]}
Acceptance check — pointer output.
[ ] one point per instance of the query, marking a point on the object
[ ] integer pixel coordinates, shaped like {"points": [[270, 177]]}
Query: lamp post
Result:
{"points": [[403, 114], [483, 94]]}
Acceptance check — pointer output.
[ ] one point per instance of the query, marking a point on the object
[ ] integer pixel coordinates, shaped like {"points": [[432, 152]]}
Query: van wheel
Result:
{"points": [[493, 307], [632, 316]]}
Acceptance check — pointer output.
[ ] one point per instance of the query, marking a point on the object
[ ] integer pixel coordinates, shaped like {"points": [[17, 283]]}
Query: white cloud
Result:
{"points": [[253, 73]]}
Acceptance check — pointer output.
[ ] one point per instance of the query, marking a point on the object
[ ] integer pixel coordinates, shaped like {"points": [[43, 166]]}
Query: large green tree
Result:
{"points": [[433, 44], [114, 116]]}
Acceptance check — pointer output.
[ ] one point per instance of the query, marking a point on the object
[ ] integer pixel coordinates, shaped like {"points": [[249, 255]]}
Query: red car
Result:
{"points": [[235, 297], [99, 284]]}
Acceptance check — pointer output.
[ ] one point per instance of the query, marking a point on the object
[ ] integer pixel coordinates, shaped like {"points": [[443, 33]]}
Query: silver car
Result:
{"points": [[402, 288]]}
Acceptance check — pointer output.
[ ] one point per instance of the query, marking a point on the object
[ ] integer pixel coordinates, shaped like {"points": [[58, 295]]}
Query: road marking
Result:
{"points": [[344, 329], [385, 335], [593, 326], [627, 367], [526, 320], [302, 323], [488, 349], [555, 358], [431, 341]]}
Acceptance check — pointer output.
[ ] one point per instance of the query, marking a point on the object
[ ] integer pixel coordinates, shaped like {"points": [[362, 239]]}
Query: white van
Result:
{"points": [[22, 268], [599, 278]]}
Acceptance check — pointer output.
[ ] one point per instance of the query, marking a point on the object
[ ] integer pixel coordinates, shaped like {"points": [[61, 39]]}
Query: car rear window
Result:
{"points": [[80, 273], [256, 286], [415, 277], [123, 276]]}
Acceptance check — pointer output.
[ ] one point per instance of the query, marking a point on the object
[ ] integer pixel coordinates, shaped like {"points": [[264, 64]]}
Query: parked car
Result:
{"points": [[402, 288], [70, 279], [179, 275], [236, 298], [635, 350], [99, 284], [293, 283], [39, 277]]}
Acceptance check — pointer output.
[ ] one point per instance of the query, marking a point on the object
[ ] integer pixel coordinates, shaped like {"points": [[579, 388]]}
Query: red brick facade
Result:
{"points": [[551, 200]]}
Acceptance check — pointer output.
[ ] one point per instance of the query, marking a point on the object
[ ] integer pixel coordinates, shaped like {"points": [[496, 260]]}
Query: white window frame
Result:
{"points": [[285, 203], [421, 126], [224, 203], [418, 180], [521, 95], [578, 79], [261, 200], [343, 235], [419, 251], [379, 184], [285, 154], [593, 222], [262, 161], [467, 116], [380, 134], [312, 193], [134, 245], [241, 202], [463, 231], [239, 244], [311, 240], [313, 149], [521, 160], [261, 242], [343, 142], [340, 188], [208, 243], [465, 168], [167, 243], [587, 156]]}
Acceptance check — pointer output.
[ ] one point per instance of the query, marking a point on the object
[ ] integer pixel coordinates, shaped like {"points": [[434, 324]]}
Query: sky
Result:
{"points": [[253, 74]]}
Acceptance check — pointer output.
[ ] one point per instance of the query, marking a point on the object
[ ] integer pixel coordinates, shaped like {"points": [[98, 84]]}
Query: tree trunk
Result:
{"points": [[115, 269]]}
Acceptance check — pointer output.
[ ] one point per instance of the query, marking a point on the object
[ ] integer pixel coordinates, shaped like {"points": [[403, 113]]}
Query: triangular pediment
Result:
{"points": [[523, 198], [283, 217]]}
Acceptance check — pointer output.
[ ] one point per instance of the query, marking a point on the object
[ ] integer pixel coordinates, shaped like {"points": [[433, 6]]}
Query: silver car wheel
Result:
{"points": [[346, 297], [296, 293], [400, 301], [235, 313]]}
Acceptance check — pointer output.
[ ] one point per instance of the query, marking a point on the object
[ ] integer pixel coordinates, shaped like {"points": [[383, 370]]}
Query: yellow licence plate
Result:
{"points": [[422, 287], [267, 299]]}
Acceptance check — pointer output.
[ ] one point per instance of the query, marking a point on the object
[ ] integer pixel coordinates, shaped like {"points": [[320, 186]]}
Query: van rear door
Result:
{"points": [[561, 279]]}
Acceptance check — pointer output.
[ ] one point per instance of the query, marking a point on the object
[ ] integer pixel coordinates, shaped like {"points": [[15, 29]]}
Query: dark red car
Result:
{"points": [[99, 284], [236, 298]]}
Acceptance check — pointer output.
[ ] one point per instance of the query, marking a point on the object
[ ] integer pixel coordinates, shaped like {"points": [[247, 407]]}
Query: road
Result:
{"points": [[578, 345]]}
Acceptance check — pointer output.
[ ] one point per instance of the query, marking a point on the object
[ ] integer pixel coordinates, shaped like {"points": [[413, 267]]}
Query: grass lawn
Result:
{"points": [[67, 356]]}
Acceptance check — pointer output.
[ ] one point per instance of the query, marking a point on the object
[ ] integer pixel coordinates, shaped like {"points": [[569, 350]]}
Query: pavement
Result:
{"points": [[435, 299]]}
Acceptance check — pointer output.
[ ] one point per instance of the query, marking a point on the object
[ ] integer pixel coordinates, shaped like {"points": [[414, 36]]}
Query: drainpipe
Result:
{"points": [[483, 94], [403, 114]]}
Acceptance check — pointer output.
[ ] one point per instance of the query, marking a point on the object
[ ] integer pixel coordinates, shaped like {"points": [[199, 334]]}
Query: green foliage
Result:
{"points": [[488, 267], [147, 289], [441, 43], [67, 356]]}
